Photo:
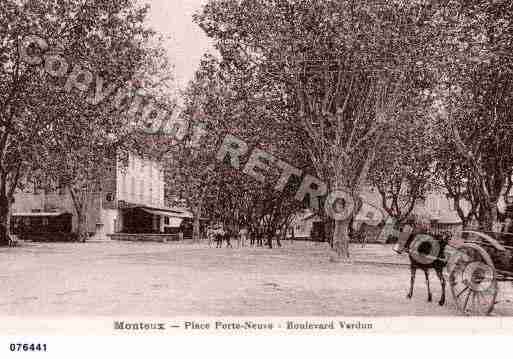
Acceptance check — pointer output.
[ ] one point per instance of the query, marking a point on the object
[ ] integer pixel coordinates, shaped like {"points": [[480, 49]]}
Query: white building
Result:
{"points": [[130, 198]]}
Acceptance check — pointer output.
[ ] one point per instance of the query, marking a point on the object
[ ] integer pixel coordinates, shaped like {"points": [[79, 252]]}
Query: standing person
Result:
{"points": [[219, 236], [210, 236], [228, 235], [279, 236], [243, 235]]}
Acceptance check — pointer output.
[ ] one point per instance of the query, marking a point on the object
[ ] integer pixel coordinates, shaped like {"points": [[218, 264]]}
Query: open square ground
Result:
{"points": [[180, 279]]}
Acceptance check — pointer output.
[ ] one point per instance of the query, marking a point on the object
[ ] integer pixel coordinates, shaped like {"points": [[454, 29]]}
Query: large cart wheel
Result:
{"points": [[473, 280]]}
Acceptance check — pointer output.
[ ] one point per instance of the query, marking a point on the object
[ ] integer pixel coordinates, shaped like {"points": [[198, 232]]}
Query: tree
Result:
{"points": [[190, 164], [403, 170], [473, 102], [223, 101], [454, 175], [21, 138], [343, 68], [88, 52]]}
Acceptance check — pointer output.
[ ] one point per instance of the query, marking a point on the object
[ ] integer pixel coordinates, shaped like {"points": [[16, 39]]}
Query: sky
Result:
{"points": [[188, 43]]}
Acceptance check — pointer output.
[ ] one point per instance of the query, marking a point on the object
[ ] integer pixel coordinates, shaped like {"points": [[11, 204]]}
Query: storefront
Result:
{"points": [[145, 219]]}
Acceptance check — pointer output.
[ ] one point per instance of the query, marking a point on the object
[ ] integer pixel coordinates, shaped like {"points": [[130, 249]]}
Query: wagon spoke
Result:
{"points": [[470, 299], [486, 300], [475, 306], [462, 291], [479, 297], [466, 302]]}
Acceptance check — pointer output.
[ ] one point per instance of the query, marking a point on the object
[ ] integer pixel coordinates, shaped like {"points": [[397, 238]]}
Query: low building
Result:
{"points": [[440, 211], [436, 207], [130, 199], [302, 224], [309, 226]]}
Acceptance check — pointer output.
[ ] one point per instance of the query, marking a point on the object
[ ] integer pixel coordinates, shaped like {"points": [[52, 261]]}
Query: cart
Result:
{"points": [[477, 263]]}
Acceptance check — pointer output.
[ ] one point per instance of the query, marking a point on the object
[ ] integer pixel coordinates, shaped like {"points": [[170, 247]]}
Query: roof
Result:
{"points": [[442, 217], [369, 213]]}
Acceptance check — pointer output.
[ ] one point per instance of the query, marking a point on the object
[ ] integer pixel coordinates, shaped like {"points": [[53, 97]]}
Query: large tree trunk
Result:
{"points": [[196, 224], [328, 231], [488, 216], [341, 238], [5, 220], [82, 230], [342, 229], [465, 219], [81, 203]]}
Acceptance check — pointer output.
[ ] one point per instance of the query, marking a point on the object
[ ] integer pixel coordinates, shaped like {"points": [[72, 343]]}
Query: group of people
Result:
{"points": [[220, 234]]}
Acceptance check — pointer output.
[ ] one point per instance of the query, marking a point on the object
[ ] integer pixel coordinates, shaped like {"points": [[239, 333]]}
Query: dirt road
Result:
{"points": [[178, 279]]}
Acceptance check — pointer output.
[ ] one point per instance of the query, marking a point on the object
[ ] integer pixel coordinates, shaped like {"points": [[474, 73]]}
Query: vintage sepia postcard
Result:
{"points": [[255, 167]]}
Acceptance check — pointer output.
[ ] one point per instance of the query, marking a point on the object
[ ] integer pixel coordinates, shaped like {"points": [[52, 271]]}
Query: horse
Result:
{"points": [[227, 237], [211, 237], [255, 239], [13, 240], [427, 253], [218, 235], [242, 237]]}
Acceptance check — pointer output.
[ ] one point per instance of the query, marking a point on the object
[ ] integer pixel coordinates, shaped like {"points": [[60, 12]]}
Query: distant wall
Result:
{"points": [[145, 237]]}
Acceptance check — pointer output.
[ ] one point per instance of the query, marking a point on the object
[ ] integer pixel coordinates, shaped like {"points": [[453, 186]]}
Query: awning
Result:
{"points": [[172, 212], [38, 214], [173, 221]]}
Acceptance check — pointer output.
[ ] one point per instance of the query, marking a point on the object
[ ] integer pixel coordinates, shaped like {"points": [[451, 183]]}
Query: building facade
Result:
{"points": [[436, 207], [130, 199]]}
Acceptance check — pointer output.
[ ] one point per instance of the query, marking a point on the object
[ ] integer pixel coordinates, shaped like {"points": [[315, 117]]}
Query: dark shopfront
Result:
{"points": [[140, 220], [43, 226]]}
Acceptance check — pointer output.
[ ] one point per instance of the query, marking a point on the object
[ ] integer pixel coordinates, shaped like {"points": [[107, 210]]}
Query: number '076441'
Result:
{"points": [[27, 347]]}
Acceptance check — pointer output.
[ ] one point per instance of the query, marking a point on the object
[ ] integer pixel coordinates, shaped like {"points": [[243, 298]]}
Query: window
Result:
{"points": [[421, 202], [123, 184], [136, 164], [451, 205], [166, 220], [132, 190]]}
